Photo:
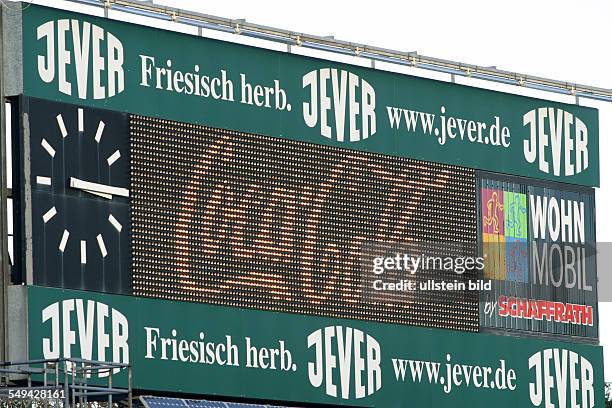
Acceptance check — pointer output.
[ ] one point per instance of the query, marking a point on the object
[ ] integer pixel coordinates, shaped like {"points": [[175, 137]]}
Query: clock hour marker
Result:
{"points": [[115, 223], [49, 214], [101, 245], [81, 125], [48, 148], [113, 157], [83, 252], [43, 180], [64, 240], [99, 131], [62, 127]]}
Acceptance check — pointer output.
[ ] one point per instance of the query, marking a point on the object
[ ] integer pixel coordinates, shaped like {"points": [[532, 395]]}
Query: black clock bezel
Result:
{"points": [[40, 263]]}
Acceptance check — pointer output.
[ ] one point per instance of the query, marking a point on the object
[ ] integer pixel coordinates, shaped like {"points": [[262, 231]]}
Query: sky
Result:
{"points": [[560, 39]]}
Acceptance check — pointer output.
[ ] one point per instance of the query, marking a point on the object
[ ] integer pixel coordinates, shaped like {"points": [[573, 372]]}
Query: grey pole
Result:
{"points": [[4, 264]]}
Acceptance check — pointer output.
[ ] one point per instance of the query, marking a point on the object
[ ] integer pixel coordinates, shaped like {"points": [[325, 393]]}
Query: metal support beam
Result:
{"points": [[4, 263], [330, 44]]}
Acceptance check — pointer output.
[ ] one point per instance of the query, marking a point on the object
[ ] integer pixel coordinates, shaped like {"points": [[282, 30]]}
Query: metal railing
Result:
{"points": [[64, 381]]}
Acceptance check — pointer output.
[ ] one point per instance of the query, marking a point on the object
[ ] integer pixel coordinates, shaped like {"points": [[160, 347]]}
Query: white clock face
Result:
{"points": [[80, 194]]}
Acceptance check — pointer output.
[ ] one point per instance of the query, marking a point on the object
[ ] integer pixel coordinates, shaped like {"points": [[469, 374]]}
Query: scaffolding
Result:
{"points": [[64, 382]]}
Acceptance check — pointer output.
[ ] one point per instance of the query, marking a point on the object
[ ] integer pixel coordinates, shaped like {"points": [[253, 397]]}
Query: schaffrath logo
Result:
{"points": [[88, 330], [81, 58], [559, 373], [558, 140], [341, 104], [349, 355]]}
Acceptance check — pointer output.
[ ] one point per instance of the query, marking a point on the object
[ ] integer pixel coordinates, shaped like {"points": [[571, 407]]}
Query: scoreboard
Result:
{"points": [[243, 177], [238, 222]]}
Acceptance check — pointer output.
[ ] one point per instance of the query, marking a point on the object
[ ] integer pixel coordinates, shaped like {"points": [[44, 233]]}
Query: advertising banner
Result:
{"points": [[204, 349], [538, 242], [125, 67]]}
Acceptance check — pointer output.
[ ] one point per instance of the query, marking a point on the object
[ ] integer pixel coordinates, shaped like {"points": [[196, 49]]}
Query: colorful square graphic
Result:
{"points": [[515, 215], [504, 235], [516, 260], [494, 252], [492, 202]]}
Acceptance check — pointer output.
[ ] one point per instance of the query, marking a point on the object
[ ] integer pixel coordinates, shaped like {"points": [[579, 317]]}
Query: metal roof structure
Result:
{"points": [[330, 44]]}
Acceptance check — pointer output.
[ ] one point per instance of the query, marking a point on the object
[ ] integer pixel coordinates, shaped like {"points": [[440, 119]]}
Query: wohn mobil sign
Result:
{"points": [[115, 65], [196, 348]]}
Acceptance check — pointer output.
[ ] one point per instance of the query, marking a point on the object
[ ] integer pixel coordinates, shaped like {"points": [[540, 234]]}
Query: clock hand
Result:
{"points": [[107, 196], [80, 185], [101, 190]]}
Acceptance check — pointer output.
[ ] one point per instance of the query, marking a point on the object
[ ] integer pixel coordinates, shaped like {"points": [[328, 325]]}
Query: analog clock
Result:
{"points": [[79, 177]]}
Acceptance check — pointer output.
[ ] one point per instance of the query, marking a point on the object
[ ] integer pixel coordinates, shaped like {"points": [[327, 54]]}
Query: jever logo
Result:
{"points": [[86, 56], [86, 321], [558, 140], [354, 105], [346, 354], [557, 372]]}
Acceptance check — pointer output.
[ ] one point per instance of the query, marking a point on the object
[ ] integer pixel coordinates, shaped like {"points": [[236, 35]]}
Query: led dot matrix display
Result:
{"points": [[244, 220]]}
